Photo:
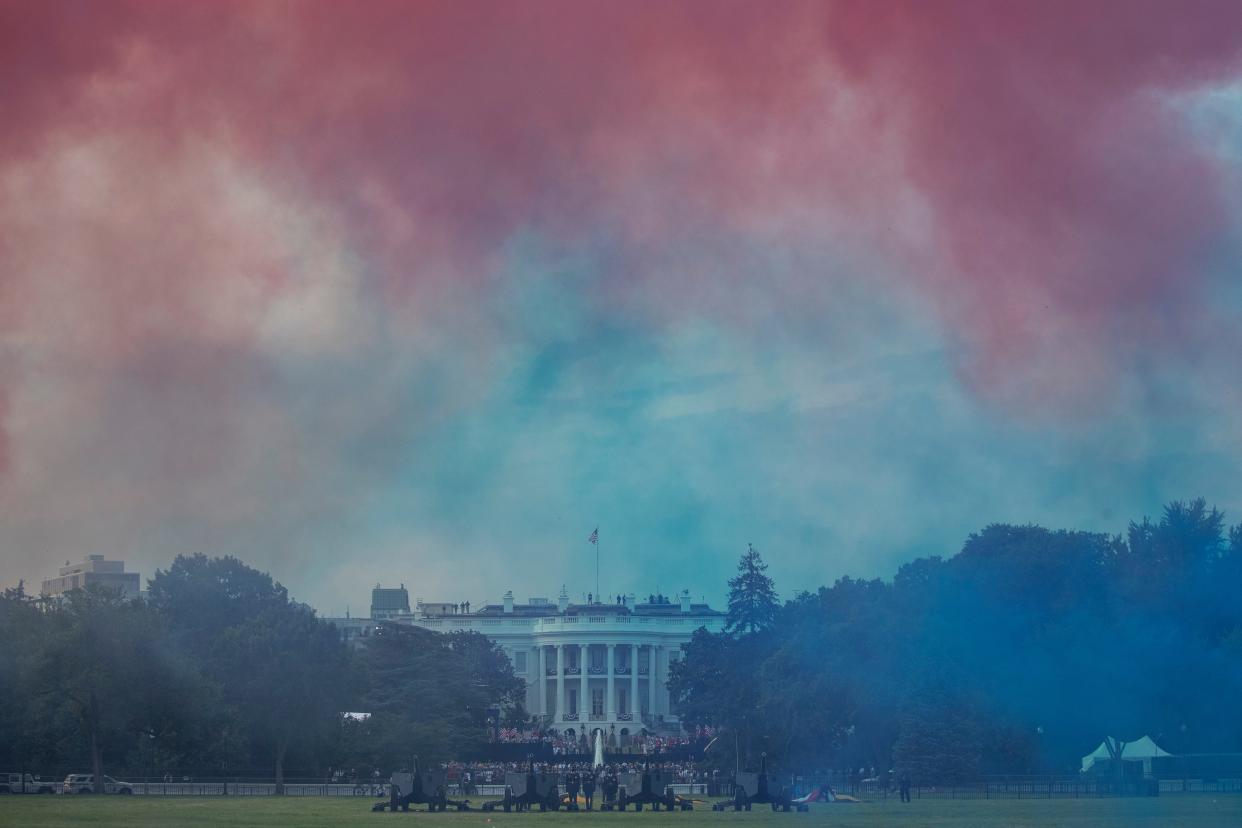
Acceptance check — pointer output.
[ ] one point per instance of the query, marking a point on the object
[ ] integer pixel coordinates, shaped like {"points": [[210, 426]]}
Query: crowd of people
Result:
{"points": [[560, 744], [641, 742], [468, 776]]}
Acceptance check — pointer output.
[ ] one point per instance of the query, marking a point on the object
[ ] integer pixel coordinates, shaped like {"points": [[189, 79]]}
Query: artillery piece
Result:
{"points": [[649, 788], [522, 790], [752, 789], [427, 787]]}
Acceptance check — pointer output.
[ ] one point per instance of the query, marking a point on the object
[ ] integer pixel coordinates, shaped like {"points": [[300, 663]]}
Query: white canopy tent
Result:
{"points": [[1139, 749]]}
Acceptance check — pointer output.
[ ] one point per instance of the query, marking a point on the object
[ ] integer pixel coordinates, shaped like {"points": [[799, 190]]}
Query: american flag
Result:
{"points": [[594, 536]]}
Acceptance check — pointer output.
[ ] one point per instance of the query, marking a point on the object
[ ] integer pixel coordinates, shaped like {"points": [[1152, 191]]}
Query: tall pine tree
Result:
{"points": [[752, 598]]}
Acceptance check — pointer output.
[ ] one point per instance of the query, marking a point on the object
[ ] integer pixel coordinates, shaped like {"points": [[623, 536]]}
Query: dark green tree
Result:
{"points": [[488, 671], [21, 630], [431, 693], [940, 740], [100, 661], [282, 676], [290, 680], [752, 597], [201, 597]]}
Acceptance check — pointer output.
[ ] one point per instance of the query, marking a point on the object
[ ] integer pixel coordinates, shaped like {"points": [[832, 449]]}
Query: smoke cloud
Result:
{"points": [[312, 284]]}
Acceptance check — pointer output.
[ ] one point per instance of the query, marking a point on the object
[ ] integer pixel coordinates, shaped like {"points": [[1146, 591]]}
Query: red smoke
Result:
{"points": [[1068, 212], [1074, 212]]}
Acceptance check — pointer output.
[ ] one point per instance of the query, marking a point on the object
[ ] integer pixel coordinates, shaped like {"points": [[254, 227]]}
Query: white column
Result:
{"points": [[651, 679], [666, 700], [560, 682], [656, 652], [543, 681], [611, 698], [634, 707], [583, 704]]}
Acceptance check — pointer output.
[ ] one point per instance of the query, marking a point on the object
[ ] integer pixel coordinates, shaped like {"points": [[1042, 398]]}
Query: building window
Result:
{"points": [[621, 699], [597, 702], [519, 661]]}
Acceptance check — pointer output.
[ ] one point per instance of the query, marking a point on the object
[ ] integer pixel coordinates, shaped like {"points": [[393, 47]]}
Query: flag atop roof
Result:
{"points": [[594, 536]]}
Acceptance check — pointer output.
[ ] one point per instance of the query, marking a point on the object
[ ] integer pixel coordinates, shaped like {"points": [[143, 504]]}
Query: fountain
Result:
{"points": [[598, 736]]}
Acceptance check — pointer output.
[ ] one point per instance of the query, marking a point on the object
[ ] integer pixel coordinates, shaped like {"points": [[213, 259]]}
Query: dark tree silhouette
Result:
{"points": [[1018, 654], [752, 598]]}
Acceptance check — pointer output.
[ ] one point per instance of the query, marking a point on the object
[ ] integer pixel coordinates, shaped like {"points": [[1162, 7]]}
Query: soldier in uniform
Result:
{"points": [[571, 788], [588, 787]]}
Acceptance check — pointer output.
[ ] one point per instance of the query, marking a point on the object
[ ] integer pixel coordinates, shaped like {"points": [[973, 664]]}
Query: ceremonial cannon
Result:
{"points": [[522, 790], [427, 787], [752, 789], [651, 787]]}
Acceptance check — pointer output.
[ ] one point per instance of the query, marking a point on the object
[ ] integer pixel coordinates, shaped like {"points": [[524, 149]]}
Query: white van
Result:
{"points": [[25, 783]]}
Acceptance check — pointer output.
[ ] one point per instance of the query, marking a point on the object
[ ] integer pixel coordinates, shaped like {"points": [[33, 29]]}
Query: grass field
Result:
{"points": [[261, 812]]}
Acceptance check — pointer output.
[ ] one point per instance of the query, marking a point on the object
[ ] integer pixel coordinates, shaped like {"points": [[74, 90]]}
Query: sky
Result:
{"points": [[425, 292]]}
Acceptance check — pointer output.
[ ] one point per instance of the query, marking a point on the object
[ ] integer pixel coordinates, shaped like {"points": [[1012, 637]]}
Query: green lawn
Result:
{"points": [[140, 812]]}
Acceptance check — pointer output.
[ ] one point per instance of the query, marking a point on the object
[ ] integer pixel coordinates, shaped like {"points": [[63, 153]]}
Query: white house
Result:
{"points": [[586, 665]]}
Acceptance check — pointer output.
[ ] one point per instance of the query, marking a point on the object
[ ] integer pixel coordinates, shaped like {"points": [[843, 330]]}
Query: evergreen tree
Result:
{"points": [[752, 598]]}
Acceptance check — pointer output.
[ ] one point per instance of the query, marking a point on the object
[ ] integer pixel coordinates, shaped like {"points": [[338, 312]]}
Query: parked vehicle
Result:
{"points": [[25, 783], [84, 783]]}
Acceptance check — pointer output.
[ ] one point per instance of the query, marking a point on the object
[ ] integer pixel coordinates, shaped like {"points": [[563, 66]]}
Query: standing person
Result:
{"points": [[588, 787], [571, 788], [904, 785]]}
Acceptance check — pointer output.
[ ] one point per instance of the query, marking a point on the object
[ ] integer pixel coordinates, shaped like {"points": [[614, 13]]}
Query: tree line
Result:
{"points": [[1019, 654], [218, 673]]}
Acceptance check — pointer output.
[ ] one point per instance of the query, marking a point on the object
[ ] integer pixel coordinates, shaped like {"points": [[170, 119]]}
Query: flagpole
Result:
{"points": [[597, 566]]}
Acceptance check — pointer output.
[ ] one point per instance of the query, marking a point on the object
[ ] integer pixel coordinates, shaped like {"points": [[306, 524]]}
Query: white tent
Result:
{"points": [[1143, 748]]}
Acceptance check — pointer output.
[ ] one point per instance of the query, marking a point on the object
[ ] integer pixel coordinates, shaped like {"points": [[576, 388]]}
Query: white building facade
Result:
{"points": [[591, 665], [94, 570]]}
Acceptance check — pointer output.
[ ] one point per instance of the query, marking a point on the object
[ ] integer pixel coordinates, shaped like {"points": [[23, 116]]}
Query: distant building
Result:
{"points": [[387, 602], [354, 630], [93, 571], [594, 664]]}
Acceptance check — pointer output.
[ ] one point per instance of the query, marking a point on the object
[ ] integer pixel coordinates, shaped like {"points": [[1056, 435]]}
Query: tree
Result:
{"points": [[431, 691], [282, 675], [941, 738], [715, 684], [100, 661], [21, 630], [488, 671], [290, 679], [752, 597], [957, 667], [201, 597]]}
